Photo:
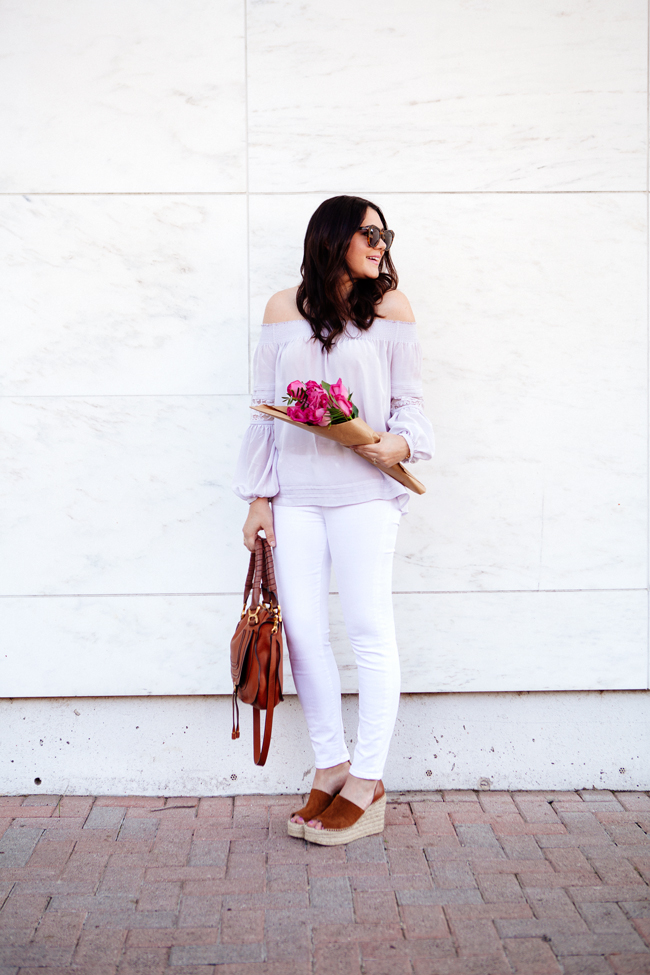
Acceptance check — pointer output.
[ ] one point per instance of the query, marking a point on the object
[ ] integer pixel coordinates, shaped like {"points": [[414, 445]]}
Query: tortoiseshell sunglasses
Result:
{"points": [[374, 235]]}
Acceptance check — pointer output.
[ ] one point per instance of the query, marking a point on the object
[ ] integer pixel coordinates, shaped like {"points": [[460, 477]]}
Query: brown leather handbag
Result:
{"points": [[256, 649]]}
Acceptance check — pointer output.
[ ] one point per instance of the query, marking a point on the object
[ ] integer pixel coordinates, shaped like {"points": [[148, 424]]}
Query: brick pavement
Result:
{"points": [[461, 883]]}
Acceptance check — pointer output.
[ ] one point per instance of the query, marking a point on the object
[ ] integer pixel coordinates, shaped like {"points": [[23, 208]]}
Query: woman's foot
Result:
{"points": [[359, 791], [344, 821], [329, 780]]}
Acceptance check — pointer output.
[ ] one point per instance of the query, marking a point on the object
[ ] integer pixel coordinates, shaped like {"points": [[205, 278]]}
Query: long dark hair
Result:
{"points": [[319, 300]]}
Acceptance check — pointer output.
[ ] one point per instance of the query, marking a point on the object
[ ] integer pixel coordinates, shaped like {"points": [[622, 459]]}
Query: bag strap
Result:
{"points": [[259, 755], [258, 555], [249, 577], [261, 574], [269, 570]]}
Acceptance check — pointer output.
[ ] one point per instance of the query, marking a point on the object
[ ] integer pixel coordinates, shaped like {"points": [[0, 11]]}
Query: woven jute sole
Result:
{"points": [[296, 829], [371, 822]]}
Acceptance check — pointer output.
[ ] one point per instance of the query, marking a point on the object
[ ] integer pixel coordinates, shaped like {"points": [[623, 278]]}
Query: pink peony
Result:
{"points": [[296, 389], [297, 413], [340, 395], [317, 415], [316, 396], [338, 389]]}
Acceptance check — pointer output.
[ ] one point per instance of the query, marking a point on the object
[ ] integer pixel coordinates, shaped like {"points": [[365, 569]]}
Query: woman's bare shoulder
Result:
{"points": [[396, 307], [282, 307]]}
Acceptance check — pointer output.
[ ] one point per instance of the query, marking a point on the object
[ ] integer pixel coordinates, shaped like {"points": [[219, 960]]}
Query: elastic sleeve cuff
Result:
{"points": [[409, 441]]}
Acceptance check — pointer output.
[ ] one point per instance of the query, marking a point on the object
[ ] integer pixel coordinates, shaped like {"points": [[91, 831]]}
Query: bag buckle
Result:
{"points": [[277, 615], [253, 615]]}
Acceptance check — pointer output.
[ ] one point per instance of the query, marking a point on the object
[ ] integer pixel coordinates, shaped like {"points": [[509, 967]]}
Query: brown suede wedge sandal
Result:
{"points": [[316, 804], [344, 821]]}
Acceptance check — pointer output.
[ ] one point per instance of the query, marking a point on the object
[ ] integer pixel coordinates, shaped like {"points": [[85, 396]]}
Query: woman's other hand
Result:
{"points": [[391, 449], [260, 518]]}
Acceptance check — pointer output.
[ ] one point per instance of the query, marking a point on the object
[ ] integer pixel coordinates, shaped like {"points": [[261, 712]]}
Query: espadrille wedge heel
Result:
{"points": [[343, 821], [316, 804]]}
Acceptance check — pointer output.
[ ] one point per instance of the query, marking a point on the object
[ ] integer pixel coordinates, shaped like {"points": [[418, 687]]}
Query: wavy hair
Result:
{"points": [[319, 297]]}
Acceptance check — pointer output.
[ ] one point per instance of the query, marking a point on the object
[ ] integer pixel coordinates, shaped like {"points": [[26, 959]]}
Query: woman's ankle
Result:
{"points": [[359, 791], [331, 779]]}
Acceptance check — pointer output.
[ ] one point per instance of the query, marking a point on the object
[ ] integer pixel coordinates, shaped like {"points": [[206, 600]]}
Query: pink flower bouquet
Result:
{"points": [[320, 404], [327, 410]]}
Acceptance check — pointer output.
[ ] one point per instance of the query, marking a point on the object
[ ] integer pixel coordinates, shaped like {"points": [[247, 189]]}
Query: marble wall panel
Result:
{"points": [[487, 95], [532, 313], [101, 646], [121, 495], [123, 295], [534, 323], [123, 97], [529, 641], [449, 642], [545, 641]]}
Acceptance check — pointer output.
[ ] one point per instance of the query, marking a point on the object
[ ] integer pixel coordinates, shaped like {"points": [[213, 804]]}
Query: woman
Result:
{"points": [[329, 505]]}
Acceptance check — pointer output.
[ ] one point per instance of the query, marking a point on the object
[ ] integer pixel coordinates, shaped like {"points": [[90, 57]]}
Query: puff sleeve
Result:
{"points": [[256, 473], [407, 416]]}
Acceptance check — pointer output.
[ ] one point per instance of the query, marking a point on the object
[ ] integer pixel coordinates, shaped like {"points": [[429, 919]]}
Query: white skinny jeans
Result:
{"points": [[359, 540]]}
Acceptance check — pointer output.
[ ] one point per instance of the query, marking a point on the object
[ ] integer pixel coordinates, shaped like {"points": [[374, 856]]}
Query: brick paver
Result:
{"points": [[460, 883]]}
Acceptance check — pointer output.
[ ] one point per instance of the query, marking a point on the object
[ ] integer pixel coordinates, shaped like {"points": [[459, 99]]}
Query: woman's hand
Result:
{"points": [[260, 518], [391, 449]]}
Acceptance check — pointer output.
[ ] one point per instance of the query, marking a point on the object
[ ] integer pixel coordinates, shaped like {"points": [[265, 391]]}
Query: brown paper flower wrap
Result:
{"points": [[352, 433]]}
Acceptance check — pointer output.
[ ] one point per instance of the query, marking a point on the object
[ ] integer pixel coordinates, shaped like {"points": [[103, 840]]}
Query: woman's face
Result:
{"points": [[363, 261]]}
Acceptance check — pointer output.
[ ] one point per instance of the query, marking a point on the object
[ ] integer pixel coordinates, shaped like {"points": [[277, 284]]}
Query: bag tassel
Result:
{"points": [[235, 707]]}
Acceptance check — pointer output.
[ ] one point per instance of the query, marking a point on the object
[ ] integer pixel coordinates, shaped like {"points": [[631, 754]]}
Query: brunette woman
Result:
{"points": [[319, 503]]}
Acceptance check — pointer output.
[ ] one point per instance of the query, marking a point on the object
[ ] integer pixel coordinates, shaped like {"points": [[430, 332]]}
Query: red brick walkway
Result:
{"points": [[462, 882]]}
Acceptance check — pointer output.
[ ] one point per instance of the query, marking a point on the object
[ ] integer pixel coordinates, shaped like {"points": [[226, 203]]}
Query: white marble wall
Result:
{"points": [[159, 165]]}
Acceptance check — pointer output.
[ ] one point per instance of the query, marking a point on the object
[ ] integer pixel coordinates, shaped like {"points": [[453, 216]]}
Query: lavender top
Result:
{"points": [[381, 367]]}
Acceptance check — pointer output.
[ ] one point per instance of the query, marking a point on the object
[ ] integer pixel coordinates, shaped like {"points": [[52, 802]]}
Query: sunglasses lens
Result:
{"points": [[374, 235]]}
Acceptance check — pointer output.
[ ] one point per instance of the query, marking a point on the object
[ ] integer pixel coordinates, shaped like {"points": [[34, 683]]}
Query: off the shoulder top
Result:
{"points": [[381, 367]]}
